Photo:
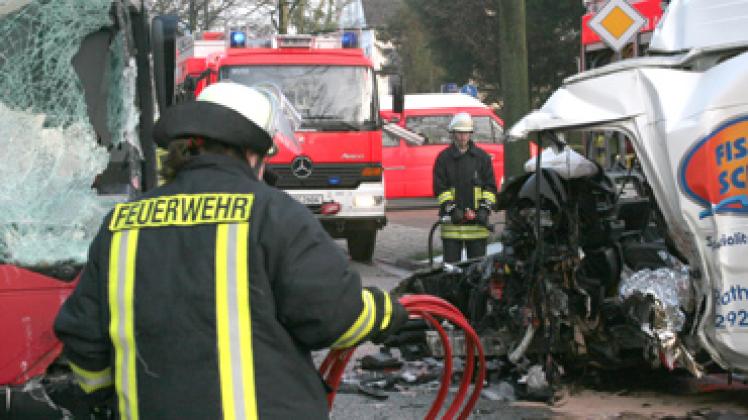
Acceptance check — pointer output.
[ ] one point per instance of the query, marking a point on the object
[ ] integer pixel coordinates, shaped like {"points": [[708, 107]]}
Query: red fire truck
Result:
{"points": [[332, 84]]}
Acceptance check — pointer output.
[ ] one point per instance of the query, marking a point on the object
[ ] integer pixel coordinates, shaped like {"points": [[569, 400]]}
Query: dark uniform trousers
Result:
{"points": [[452, 249], [203, 299], [467, 181]]}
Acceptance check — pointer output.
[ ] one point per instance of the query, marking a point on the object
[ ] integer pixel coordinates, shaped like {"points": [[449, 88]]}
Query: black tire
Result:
{"points": [[361, 245]]}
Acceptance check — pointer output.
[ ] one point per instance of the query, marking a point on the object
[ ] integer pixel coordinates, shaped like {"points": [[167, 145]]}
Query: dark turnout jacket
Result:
{"points": [[203, 299], [465, 179]]}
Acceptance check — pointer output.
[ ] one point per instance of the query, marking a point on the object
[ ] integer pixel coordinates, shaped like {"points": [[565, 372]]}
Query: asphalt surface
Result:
{"points": [[630, 395]]}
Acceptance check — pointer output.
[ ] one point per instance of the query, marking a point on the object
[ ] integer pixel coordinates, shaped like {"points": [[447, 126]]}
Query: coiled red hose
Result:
{"points": [[429, 308]]}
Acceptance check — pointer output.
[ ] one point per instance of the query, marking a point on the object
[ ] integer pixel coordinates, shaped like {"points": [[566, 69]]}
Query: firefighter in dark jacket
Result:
{"points": [[466, 192], [203, 298]]}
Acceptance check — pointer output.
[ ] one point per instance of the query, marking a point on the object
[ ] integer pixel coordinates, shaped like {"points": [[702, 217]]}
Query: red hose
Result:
{"points": [[439, 307], [447, 373], [429, 308], [337, 360]]}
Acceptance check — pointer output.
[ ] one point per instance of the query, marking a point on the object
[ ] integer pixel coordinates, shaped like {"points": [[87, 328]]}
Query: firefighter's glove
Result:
{"points": [[482, 216], [457, 216], [447, 207], [484, 210], [391, 316]]}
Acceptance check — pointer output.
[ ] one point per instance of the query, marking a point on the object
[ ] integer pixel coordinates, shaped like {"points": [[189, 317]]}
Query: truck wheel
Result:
{"points": [[361, 245]]}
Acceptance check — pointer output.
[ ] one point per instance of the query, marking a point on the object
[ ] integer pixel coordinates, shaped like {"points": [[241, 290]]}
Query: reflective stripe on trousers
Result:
{"points": [[463, 232], [122, 254], [234, 325]]}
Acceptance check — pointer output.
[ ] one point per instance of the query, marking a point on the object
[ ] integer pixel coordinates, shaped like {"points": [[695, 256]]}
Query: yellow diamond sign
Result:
{"points": [[617, 23]]}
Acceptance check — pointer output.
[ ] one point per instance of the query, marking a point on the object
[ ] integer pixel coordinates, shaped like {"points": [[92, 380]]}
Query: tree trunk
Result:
{"points": [[298, 13], [514, 84], [192, 17], [282, 16]]}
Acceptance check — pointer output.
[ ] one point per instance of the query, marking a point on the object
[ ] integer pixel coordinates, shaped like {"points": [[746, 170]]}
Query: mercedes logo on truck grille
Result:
{"points": [[301, 167]]}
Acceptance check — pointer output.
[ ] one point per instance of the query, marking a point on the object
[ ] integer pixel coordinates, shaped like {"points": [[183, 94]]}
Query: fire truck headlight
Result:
{"points": [[360, 201]]}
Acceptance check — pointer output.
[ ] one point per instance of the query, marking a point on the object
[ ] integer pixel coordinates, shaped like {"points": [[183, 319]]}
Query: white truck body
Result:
{"points": [[687, 116]]}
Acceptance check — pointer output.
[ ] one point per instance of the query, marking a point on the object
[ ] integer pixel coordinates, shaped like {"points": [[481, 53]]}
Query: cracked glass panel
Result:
{"points": [[49, 212]]}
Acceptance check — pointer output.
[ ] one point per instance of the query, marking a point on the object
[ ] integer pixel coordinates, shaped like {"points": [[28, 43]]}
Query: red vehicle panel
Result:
{"points": [[336, 147], [408, 167], [29, 303]]}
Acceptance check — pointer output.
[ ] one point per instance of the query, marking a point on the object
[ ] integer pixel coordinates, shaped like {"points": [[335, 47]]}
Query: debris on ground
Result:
{"points": [[381, 360], [504, 391]]}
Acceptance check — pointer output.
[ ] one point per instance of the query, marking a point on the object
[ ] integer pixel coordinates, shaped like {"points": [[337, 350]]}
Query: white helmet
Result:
{"points": [[462, 123], [235, 114], [250, 102]]}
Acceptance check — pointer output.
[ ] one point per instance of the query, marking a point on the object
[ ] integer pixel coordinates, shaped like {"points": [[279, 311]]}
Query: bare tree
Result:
{"points": [[313, 16], [210, 14], [305, 16]]}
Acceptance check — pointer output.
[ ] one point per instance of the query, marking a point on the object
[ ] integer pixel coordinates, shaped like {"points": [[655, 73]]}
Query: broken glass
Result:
{"points": [[49, 212]]}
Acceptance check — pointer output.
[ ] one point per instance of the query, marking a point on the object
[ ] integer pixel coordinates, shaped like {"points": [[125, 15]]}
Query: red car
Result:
{"points": [[408, 166]]}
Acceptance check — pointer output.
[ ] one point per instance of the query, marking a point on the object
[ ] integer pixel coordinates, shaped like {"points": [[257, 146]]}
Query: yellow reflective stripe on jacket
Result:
{"points": [[489, 196], [182, 210], [387, 312], [122, 255], [445, 196], [477, 196], [90, 380], [363, 325], [464, 232], [234, 323]]}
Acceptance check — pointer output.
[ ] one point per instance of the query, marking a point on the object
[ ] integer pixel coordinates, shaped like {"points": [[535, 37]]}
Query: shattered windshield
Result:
{"points": [[328, 97], [52, 156]]}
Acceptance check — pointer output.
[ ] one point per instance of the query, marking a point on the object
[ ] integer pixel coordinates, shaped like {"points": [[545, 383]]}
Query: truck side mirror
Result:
{"points": [[398, 93], [163, 38]]}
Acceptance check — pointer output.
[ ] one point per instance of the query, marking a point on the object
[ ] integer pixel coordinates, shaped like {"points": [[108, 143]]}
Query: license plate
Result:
{"points": [[308, 199]]}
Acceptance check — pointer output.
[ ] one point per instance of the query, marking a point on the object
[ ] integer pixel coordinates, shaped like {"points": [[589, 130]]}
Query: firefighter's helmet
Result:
{"points": [[462, 123], [226, 112]]}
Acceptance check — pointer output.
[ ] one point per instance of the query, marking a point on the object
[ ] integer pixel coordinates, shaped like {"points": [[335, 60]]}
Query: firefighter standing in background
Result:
{"points": [[465, 188], [203, 299]]}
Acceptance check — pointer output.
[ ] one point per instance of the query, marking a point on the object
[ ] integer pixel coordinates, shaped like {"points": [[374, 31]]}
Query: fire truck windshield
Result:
{"points": [[328, 97]]}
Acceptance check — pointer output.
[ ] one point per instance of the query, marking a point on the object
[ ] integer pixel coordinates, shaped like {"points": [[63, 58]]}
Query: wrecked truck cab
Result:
{"points": [[644, 263], [686, 116]]}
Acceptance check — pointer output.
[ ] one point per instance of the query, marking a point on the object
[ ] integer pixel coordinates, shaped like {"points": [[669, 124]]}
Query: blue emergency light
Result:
{"points": [[334, 180], [238, 39], [350, 40]]}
